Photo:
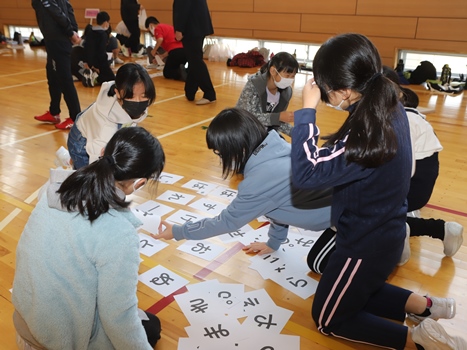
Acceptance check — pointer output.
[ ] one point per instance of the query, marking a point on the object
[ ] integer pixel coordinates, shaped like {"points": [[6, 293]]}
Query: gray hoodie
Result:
{"points": [[266, 190]]}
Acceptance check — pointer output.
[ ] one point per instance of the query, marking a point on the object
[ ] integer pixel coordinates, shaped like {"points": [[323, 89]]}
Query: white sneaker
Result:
{"points": [[453, 237], [125, 51], [405, 256], [118, 60], [440, 308], [414, 214], [432, 336]]}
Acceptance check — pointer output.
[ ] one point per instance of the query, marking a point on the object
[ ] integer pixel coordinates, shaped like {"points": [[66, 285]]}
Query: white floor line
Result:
{"points": [[185, 128], [9, 218], [28, 138], [18, 85], [168, 134], [18, 73], [32, 196], [178, 96]]}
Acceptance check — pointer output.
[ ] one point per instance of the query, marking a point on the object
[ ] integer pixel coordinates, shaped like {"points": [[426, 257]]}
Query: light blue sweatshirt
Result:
{"points": [[75, 282], [266, 190]]}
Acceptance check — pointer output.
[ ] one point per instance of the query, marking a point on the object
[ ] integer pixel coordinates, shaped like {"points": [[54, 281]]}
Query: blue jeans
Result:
{"points": [[77, 147]]}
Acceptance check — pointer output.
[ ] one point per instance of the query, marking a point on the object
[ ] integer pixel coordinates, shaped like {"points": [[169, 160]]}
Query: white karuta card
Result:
{"points": [[176, 197], [235, 236], [198, 306], [202, 249], [224, 193], [162, 280], [268, 321], [206, 205], [201, 187], [183, 216], [149, 246], [150, 208], [271, 342], [170, 179]]}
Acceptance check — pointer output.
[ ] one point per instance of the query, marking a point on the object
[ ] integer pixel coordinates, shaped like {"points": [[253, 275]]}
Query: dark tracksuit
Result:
{"points": [[57, 23], [192, 19], [129, 10], [369, 208], [95, 53]]}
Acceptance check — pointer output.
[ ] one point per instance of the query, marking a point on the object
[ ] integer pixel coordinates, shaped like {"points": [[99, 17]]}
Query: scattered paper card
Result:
{"points": [[208, 206], [162, 280], [176, 197], [201, 187], [149, 246], [202, 249], [169, 179]]}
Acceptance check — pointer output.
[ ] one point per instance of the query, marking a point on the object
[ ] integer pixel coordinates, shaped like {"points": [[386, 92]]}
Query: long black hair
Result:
{"points": [[351, 61], [234, 134], [131, 153]]}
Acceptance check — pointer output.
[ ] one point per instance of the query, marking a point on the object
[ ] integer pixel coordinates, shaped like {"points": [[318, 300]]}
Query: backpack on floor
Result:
{"points": [[424, 71]]}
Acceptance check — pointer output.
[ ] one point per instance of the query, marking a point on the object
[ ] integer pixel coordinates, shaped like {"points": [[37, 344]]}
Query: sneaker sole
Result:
{"points": [[48, 121], [434, 331]]}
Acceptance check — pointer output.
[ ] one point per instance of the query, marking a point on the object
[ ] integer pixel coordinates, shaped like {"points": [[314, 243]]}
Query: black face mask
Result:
{"points": [[134, 109]]}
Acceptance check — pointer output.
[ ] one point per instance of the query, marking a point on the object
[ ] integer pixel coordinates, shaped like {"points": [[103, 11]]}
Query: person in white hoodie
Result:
{"points": [[120, 103]]}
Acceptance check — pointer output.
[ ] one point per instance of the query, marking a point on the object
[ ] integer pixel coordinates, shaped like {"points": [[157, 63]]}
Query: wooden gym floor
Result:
{"points": [[27, 152]]}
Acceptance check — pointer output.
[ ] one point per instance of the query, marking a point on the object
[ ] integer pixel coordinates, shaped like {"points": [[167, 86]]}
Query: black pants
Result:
{"points": [[133, 41], [198, 74], [105, 73], [152, 328], [423, 182], [175, 58], [59, 78]]}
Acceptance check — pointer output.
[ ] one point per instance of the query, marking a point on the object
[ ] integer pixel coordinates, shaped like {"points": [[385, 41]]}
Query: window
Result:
{"points": [[457, 63]]}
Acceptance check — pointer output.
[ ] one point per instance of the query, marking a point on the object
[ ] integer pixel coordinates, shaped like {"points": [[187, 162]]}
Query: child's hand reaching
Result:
{"points": [[258, 247], [165, 231]]}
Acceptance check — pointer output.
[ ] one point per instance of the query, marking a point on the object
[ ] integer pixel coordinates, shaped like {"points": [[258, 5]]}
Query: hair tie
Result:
{"points": [[109, 159], [375, 76]]}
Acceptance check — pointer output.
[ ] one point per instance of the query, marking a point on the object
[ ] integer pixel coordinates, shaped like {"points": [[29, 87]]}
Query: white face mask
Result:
{"points": [[338, 107], [140, 187], [284, 82]]}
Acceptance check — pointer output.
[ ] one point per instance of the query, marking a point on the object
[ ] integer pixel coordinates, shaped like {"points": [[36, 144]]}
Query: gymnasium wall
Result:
{"points": [[423, 25]]}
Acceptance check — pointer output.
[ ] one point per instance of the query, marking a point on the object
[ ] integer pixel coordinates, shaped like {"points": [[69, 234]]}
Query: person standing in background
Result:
{"points": [[129, 10], [192, 22], [58, 25]]}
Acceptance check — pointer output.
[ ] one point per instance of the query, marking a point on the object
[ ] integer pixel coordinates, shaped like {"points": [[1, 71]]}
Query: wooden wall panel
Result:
{"points": [[234, 33], [368, 25], [424, 25], [309, 38], [231, 6], [411, 8], [442, 29], [338, 7], [263, 21]]}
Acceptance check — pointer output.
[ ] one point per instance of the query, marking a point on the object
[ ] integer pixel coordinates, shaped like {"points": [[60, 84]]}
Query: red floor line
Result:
{"points": [[161, 304], [205, 271], [451, 211]]}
